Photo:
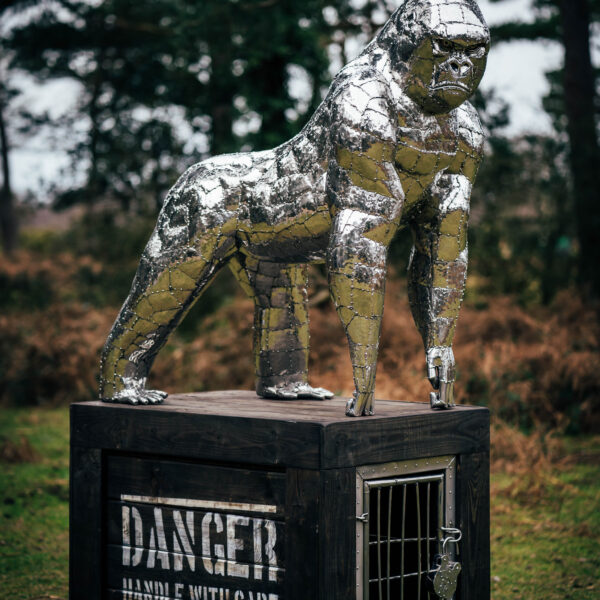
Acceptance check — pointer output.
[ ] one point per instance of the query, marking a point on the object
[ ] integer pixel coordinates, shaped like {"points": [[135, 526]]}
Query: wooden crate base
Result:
{"points": [[227, 496]]}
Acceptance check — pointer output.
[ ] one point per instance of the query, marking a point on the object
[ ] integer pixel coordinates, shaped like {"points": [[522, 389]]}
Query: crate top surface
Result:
{"points": [[248, 405], [239, 426]]}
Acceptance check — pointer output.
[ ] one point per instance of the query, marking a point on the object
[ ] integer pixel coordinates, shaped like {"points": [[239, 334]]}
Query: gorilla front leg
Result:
{"points": [[142, 327], [357, 269], [281, 335], [437, 275], [163, 291]]}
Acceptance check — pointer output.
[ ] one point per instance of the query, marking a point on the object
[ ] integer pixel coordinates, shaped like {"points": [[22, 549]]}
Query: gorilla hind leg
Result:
{"points": [[281, 336]]}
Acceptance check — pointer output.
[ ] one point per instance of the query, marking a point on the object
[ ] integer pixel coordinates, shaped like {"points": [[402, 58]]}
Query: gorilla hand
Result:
{"points": [[441, 372]]}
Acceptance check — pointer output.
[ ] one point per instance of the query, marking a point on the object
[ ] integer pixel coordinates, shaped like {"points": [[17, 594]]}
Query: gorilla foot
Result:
{"points": [[296, 391], [137, 396], [360, 405]]}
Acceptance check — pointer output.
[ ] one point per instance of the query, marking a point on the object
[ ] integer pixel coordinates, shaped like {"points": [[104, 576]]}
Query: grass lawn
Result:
{"points": [[34, 503], [545, 523], [548, 548]]}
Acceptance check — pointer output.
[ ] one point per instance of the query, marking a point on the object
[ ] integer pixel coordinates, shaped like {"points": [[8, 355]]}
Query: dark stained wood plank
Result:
{"points": [[85, 524], [248, 405], [302, 534], [199, 593], [183, 479], [299, 434], [457, 431], [337, 534], [216, 593], [473, 495], [134, 530], [122, 594], [195, 436], [200, 576]]}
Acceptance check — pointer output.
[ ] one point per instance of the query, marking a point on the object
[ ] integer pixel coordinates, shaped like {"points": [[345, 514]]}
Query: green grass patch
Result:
{"points": [[34, 503], [544, 537]]}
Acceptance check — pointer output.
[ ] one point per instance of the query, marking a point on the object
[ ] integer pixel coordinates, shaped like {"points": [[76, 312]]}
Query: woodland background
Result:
{"points": [[165, 83]]}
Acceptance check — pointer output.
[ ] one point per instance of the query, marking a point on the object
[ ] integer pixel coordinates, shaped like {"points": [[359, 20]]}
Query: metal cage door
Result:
{"points": [[402, 511]]}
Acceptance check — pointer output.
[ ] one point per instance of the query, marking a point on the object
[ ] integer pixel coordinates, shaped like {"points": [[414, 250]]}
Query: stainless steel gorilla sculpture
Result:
{"points": [[394, 144]]}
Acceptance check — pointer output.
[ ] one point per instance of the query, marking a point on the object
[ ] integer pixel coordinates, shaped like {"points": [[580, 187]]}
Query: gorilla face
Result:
{"points": [[444, 72], [440, 47]]}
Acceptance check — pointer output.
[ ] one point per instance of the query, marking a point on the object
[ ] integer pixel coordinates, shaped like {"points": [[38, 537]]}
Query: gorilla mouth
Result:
{"points": [[451, 85]]}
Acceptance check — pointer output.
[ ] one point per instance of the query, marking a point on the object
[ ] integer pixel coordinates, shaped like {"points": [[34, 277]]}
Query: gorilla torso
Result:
{"points": [[280, 195], [284, 212]]}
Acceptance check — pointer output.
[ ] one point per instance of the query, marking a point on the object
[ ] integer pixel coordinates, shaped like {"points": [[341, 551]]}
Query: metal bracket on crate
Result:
{"points": [[450, 531]]}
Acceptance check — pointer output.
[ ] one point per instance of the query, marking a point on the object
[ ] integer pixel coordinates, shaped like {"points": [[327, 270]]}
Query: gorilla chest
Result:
{"points": [[424, 148]]}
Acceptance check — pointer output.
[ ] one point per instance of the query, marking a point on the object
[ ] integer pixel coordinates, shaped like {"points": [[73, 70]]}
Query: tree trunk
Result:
{"points": [[579, 85], [222, 140], [273, 113], [94, 185], [8, 220], [221, 94]]}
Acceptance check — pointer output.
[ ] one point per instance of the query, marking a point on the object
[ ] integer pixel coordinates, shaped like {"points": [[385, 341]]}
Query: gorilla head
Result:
{"points": [[440, 47]]}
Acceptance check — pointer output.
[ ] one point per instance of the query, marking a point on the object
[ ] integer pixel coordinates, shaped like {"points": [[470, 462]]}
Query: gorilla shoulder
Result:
{"points": [[361, 104], [470, 142], [470, 129]]}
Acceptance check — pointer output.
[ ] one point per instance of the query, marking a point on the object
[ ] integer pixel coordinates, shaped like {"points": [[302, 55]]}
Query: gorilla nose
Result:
{"points": [[460, 68]]}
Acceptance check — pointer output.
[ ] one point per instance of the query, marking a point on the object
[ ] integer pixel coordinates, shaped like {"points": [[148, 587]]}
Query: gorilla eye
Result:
{"points": [[476, 51], [445, 45]]}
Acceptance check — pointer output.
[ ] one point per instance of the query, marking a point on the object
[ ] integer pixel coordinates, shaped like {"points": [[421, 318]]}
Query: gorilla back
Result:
{"points": [[394, 144]]}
